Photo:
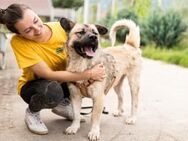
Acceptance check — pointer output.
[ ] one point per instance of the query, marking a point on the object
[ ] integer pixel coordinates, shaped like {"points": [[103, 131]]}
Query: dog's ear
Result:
{"points": [[66, 24], [101, 29]]}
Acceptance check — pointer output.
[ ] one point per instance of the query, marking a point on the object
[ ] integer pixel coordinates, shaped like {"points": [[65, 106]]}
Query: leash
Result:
{"points": [[90, 107]]}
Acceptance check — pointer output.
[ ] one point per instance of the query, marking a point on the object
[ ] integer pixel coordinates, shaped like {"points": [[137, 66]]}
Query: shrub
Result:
{"points": [[164, 29], [122, 14], [128, 14], [68, 3], [108, 21]]}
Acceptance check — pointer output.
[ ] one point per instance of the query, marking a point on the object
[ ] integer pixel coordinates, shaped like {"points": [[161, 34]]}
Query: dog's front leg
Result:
{"points": [[98, 103], [76, 100]]}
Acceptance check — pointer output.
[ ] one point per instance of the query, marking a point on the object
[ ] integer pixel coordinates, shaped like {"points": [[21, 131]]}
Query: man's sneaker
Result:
{"points": [[64, 109], [34, 123]]}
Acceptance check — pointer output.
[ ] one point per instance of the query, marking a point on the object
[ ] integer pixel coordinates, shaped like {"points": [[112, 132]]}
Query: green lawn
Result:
{"points": [[177, 55]]}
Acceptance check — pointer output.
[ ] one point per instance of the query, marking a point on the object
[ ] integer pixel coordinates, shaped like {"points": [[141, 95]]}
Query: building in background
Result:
{"points": [[43, 8]]}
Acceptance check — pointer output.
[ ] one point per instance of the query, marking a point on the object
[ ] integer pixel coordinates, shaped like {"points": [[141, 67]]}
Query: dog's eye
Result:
{"points": [[94, 32], [80, 33]]}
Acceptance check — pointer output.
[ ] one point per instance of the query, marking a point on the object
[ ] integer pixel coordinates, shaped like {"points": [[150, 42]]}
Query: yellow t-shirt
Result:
{"points": [[28, 53]]}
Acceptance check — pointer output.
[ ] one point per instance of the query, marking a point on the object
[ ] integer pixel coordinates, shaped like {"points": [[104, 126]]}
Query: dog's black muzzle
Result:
{"points": [[87, 46]]}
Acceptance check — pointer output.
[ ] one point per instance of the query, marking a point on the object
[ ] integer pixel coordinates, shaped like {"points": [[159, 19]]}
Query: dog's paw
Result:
{"points": [[94, 134], [118, 113], [130, 120], [71, 130]]}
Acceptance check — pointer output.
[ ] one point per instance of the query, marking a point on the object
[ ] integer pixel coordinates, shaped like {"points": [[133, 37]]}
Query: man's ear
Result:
{"points": [[66, 24], [101, 29]]}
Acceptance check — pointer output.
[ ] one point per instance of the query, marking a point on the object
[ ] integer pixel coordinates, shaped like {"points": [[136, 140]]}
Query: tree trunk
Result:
{"points": [[114, 8], [86, 11], [160, 4], [133, 2]]}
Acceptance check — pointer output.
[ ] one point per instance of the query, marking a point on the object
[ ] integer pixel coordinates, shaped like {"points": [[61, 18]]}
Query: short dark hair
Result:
{"points": [[11, 15]]}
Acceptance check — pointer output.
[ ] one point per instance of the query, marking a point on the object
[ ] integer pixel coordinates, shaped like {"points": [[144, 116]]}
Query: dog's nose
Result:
{"points": [[92, 37]]}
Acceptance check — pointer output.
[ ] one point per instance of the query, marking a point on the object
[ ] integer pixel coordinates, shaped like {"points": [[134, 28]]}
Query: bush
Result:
{"points": [[164, 29], [108, 21], [125, 14], [122, 14], [105, 43], [68, 3]]}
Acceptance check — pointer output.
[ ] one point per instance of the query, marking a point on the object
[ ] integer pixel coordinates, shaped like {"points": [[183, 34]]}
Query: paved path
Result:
{"points": [[163, 113]]}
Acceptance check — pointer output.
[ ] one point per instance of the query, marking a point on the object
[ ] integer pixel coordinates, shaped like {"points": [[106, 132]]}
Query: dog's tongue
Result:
{"points": [[89, 51]]}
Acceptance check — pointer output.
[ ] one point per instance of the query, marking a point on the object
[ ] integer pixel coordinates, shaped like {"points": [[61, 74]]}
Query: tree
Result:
{"points": [[159, 3], [114, 8], [68, 3], [142, 7]]}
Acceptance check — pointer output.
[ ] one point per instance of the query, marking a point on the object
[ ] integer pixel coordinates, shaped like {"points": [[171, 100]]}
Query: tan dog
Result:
{"points": [[84, 51]]}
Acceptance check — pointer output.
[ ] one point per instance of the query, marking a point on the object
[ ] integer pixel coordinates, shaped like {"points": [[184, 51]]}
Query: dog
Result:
{"points": [[84, 51]]}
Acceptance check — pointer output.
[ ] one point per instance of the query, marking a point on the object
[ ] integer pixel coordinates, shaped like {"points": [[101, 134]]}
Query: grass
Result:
{"points": [[177, 55], [105, 43]]}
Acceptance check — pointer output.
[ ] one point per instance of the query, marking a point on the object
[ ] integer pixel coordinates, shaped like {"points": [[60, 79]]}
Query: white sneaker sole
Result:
{"points": [[36, 132]]}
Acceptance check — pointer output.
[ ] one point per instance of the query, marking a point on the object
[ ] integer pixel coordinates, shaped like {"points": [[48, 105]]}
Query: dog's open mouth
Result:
{"points": [[86, 51], [89, 51]]}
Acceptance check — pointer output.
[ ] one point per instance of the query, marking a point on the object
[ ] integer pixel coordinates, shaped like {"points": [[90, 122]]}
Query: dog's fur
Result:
{"points": [[84, 52]]}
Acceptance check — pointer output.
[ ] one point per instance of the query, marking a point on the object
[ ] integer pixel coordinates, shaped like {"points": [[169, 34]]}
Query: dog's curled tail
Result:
{"points": [[133, 38]]}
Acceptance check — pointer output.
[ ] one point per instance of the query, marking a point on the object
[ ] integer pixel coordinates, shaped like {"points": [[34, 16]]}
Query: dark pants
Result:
{"points": [[40, 94]]}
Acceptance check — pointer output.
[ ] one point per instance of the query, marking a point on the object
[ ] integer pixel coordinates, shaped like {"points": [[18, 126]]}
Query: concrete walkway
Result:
{"points": [[163, 112]]}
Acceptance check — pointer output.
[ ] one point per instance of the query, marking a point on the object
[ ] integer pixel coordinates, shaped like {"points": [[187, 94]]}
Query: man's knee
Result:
{"points": [[48, 98]]}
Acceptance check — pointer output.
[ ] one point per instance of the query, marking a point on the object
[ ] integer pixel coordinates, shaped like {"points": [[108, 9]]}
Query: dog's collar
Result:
{"points": [[83, 86]]}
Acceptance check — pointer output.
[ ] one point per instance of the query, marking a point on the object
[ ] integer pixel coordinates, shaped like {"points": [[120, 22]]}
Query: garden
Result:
{"points": [[163, 29]]}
